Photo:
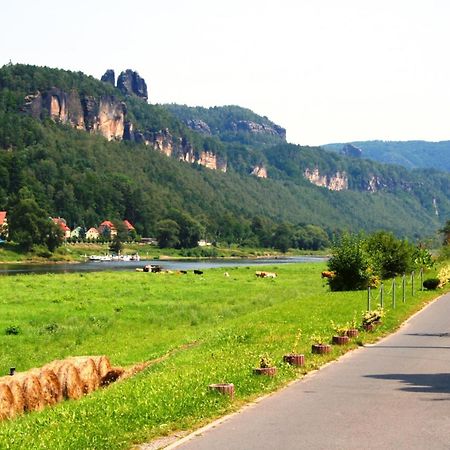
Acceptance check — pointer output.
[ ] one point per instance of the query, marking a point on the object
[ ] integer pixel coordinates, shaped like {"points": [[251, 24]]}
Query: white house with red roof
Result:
{"points": [[107, 225], [92, 234]]}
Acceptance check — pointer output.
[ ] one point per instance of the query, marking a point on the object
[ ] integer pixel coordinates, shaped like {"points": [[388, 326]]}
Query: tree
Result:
{"points": [[282, 237], [390, 256], [350, 263], [167, 233], [30, 225], [116, 245], [190, 231]]}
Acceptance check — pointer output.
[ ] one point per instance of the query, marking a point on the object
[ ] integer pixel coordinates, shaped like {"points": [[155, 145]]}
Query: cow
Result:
{"points": [[198, 272], [328, 274], [262, 274]]}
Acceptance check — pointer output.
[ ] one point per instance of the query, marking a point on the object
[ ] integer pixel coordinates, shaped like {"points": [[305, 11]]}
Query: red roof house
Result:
{"points": [[128, 225]]}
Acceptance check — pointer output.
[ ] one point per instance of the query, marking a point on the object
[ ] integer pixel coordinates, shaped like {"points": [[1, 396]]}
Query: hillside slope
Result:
{"points": [[90, 151], [409, 154]]}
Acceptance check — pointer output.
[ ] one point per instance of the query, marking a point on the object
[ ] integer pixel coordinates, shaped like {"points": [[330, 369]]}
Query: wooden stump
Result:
{"points": [[223, 388]]}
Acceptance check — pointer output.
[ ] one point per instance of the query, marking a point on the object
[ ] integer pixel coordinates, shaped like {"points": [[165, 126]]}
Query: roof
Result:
{"points": [[92, 230], [2, 216], [61, 223], [107, 223], [128, 225]]}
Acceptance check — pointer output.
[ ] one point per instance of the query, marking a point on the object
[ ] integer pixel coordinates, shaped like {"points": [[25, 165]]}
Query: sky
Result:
{"points": [[326, 70]]}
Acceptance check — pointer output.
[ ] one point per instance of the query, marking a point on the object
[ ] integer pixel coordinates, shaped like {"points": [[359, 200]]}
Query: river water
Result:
{"points": [[185, 264]]}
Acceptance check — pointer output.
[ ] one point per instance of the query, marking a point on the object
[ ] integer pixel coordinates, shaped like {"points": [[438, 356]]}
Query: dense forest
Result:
{"points": [[86, 179], [409, 154]]}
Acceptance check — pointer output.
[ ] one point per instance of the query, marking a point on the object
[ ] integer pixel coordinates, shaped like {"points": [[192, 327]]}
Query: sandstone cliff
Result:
{"points": [[335, 182], [105, 115]]}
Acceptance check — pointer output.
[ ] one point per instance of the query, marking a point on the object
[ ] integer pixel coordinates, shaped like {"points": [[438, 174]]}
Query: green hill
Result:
{"points": [[409, 154], [90, 151]]}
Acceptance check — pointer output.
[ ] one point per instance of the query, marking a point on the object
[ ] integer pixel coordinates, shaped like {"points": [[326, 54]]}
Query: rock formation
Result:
{"points": [[109, 77], [351, 150], [105, 115], [259, 171], [256, 128], [199, 125], [130, 83], [335, 182]]}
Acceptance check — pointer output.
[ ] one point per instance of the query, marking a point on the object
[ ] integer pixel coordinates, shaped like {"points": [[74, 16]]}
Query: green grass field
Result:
{"points": [[133, 317]]}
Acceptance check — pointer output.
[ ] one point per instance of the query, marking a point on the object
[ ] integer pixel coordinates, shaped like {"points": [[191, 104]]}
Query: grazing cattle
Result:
{"points": [[328, 274], [226, 274], [198, 272], [262, 274], [184, 272]]}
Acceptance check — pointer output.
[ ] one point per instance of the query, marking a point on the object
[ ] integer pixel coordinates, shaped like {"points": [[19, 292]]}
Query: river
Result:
{"points": [[184, 264]]}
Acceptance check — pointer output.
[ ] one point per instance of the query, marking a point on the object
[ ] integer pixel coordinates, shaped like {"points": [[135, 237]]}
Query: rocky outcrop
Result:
{"points": [[199, 126], [130, 83], [104, 115], [351, 150], [259, 171], [335, 182], [109, 77], [256, 128], [212, 161], [107, 116]]}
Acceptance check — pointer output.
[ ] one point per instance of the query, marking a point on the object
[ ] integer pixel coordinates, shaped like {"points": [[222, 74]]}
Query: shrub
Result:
{"points": [[12, 330], [431, 283], [390, 256], [351, 264]]}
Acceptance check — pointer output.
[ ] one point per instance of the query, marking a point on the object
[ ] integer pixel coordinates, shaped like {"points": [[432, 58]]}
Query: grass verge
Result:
{"points": [[134, 317]]}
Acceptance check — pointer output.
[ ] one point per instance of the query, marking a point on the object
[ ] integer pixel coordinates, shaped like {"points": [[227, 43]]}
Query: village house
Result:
{"points": [[92, 234], [62, 224], [107, 228], [76, 232], [3, 224]]}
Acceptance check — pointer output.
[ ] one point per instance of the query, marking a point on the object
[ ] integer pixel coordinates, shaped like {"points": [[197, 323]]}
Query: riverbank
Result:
{"points": [[79, 252]]}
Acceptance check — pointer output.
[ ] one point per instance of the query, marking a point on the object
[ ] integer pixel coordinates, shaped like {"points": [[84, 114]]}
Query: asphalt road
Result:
{"points": [[392, 395]]}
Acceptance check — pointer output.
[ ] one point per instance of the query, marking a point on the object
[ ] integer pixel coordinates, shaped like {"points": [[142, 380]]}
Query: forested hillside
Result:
{"points": [[89, 152], [409, 154]]}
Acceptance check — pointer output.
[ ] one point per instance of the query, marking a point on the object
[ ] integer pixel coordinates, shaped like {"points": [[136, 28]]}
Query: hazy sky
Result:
{"points": [[327, 70]]}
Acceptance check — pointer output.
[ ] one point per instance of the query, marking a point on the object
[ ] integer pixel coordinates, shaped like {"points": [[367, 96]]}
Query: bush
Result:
{"points": [[390, 256], [431, 283], [351, 264], [12, 330]]}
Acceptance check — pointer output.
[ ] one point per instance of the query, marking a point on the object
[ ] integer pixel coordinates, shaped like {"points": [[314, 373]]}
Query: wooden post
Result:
{"points": [[368, 298], [403, 288], [412, 283], [382, 295], [393, 293], [421, 278]]}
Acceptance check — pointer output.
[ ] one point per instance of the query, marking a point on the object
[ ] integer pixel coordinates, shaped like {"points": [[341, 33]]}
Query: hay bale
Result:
{"points": [[16, 390], [32, 391], [51, 386], [88, 371], [103, 365], [6, 402], [70, 381]]}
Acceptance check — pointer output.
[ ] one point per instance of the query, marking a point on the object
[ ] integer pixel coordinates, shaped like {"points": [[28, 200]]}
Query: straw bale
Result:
{"points": [[103, 365], [32, 392], [51, 387], [17, 393], [6, 402], [88, 373], [69, 378]]}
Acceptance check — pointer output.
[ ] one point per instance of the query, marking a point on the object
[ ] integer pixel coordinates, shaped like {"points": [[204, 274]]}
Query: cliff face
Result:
{"points": [[259, 171], [104, 115], [335, 182], [107, 116]]}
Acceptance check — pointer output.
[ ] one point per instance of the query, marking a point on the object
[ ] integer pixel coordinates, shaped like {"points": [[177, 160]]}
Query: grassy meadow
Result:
{"points": [[214, 327]]}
